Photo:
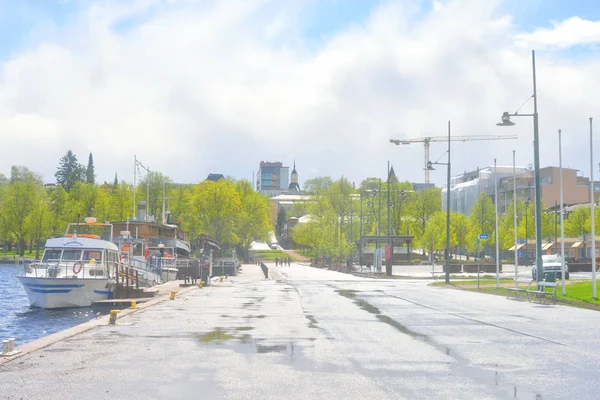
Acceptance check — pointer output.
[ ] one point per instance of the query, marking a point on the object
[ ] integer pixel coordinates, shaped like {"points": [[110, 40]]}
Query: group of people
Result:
{"points": [[283, 261]]}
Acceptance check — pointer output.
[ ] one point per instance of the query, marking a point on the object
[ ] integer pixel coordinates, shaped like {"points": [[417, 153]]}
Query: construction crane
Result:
{"points": [[427, 140]]}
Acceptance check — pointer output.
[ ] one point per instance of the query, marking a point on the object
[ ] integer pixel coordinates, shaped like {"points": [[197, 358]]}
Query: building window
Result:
{"points": [[546, 180]]}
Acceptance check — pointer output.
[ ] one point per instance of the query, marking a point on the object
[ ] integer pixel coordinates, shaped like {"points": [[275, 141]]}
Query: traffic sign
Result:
{"points": [[484, 236]]}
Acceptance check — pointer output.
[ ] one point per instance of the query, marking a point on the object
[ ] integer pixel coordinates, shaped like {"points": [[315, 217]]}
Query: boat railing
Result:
{"points": [[152, 265], [67, 269]]}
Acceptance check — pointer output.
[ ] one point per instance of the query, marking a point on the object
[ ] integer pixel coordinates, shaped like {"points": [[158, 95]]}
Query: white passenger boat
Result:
{"points": [[75, 270]]}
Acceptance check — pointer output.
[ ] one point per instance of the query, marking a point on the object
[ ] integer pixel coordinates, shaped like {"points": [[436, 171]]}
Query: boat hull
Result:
{"points": [[65, 293]]}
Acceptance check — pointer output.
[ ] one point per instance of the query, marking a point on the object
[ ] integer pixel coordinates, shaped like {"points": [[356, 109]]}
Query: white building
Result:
{"points": [[466, 188]]}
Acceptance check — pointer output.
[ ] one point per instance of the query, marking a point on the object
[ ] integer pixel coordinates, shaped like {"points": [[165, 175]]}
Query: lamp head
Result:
{"points": [[430, 166], [506, 120]]}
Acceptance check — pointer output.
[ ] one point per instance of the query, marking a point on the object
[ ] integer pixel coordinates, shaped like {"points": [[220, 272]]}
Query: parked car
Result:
{"points": [[551, 263]]}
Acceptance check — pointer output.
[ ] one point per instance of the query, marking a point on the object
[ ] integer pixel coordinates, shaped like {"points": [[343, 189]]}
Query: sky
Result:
{"points": [[193, 87]]}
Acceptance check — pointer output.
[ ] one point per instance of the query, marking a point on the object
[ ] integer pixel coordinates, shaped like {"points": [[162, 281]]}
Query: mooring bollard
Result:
{"points": [[133, 304], [112, 320], [173, 294], [201, 284], [5, 347]]}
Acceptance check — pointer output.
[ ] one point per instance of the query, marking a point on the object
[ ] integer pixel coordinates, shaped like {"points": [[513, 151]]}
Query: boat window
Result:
{"points": [[51, 255], [137, 249], [71, 255], [95, 254]]}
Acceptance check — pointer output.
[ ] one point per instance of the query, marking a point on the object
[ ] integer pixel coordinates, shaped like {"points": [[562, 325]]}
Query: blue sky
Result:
{"points": [[320, 18]]}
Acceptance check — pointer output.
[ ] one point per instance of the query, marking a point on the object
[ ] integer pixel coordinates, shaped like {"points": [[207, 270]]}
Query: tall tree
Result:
{"points": [[281, 219], [460, 227], [115, 182], [425, 204], [89, 172], [482, 220], [253, 220], [38, 222], [19, 201], [578, 222], [215, 208], [57, 206], [69, 171], [315, 185]]}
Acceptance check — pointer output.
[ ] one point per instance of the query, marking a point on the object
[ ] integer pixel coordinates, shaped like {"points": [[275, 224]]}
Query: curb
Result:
{"points": [[68, 333]]}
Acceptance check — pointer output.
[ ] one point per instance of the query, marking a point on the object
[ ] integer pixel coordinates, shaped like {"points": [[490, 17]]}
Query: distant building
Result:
{"points": [[215, 177], [419, 187], [576, 189], [466, 188], [273, 179]]}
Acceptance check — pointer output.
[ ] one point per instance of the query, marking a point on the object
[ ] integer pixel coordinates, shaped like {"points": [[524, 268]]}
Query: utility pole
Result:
{"points": [[390, 249]]}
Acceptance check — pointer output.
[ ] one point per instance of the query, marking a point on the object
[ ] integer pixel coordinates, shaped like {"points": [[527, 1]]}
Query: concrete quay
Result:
{"points": [[307, 333]]}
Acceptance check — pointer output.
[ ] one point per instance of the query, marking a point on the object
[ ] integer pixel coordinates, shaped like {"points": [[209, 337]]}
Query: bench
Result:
{"points": [[541, 291], [516, 290]]}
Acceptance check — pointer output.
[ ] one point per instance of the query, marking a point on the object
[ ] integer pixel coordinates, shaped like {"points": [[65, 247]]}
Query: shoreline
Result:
{"points": [[45, 341]]}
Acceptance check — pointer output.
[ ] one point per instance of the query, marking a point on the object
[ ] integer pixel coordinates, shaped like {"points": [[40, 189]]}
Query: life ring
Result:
{"points": [[75, 269]]}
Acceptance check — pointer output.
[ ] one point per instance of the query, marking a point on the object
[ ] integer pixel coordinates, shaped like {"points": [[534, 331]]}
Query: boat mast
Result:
{"points": [[164, 220]]}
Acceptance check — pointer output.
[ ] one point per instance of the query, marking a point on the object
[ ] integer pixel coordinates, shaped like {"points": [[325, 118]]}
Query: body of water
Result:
{"points": [[26, 324]]}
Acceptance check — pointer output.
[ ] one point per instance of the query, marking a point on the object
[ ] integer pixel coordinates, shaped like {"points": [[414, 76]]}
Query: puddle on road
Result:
{"points": [[244, 328], [216, 336], [313, 321]]}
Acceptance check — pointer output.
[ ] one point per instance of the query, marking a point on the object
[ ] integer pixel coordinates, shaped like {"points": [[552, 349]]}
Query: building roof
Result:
{"points": [[215, 177], [291, 197]]}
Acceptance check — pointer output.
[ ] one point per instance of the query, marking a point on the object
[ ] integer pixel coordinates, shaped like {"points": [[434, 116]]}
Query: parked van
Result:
{"points": [[551, 263]]}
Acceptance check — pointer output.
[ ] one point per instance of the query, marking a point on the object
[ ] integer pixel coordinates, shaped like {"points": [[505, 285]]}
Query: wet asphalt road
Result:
{"points": [[313, 334]]}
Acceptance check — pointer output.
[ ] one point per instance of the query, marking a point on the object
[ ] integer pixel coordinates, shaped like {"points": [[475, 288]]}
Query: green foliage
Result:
{"points": [[252, 223], [152, 187], [90, 177], [327, 233], [69, 171], [271, 255], [281, 220], [318, 184], [482, 220], [230, 212], [215, 208], [19, 199], [424, 205], [578, 222]]}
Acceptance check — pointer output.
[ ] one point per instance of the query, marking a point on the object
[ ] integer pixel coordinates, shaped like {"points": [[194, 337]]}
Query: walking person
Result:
{"points": [[289, 260]]}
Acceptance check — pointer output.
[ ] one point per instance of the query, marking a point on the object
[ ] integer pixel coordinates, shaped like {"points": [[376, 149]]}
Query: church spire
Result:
{"points": [[294, 185]]}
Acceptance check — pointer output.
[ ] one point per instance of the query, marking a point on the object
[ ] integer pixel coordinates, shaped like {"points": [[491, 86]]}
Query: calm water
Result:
{"points": [[27, 324]]}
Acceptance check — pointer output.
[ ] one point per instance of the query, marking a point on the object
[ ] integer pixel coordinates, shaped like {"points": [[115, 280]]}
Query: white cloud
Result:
{"points": [[218, 86], [563, 34]]}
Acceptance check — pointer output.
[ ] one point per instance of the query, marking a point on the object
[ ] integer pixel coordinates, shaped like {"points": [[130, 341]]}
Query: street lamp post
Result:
{"points": [[515, 218], [562, 226], [389, 250], [496, 225], [447, 164], [592, 204], [536, 154], [361, 231], [527, 230]]}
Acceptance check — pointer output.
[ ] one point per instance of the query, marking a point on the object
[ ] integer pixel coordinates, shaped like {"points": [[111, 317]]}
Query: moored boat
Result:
{"points": [[75, 270]]}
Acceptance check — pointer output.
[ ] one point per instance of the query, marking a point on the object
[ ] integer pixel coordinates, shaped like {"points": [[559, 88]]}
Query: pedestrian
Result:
{"points": [[289, 262], [276, 261]]}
